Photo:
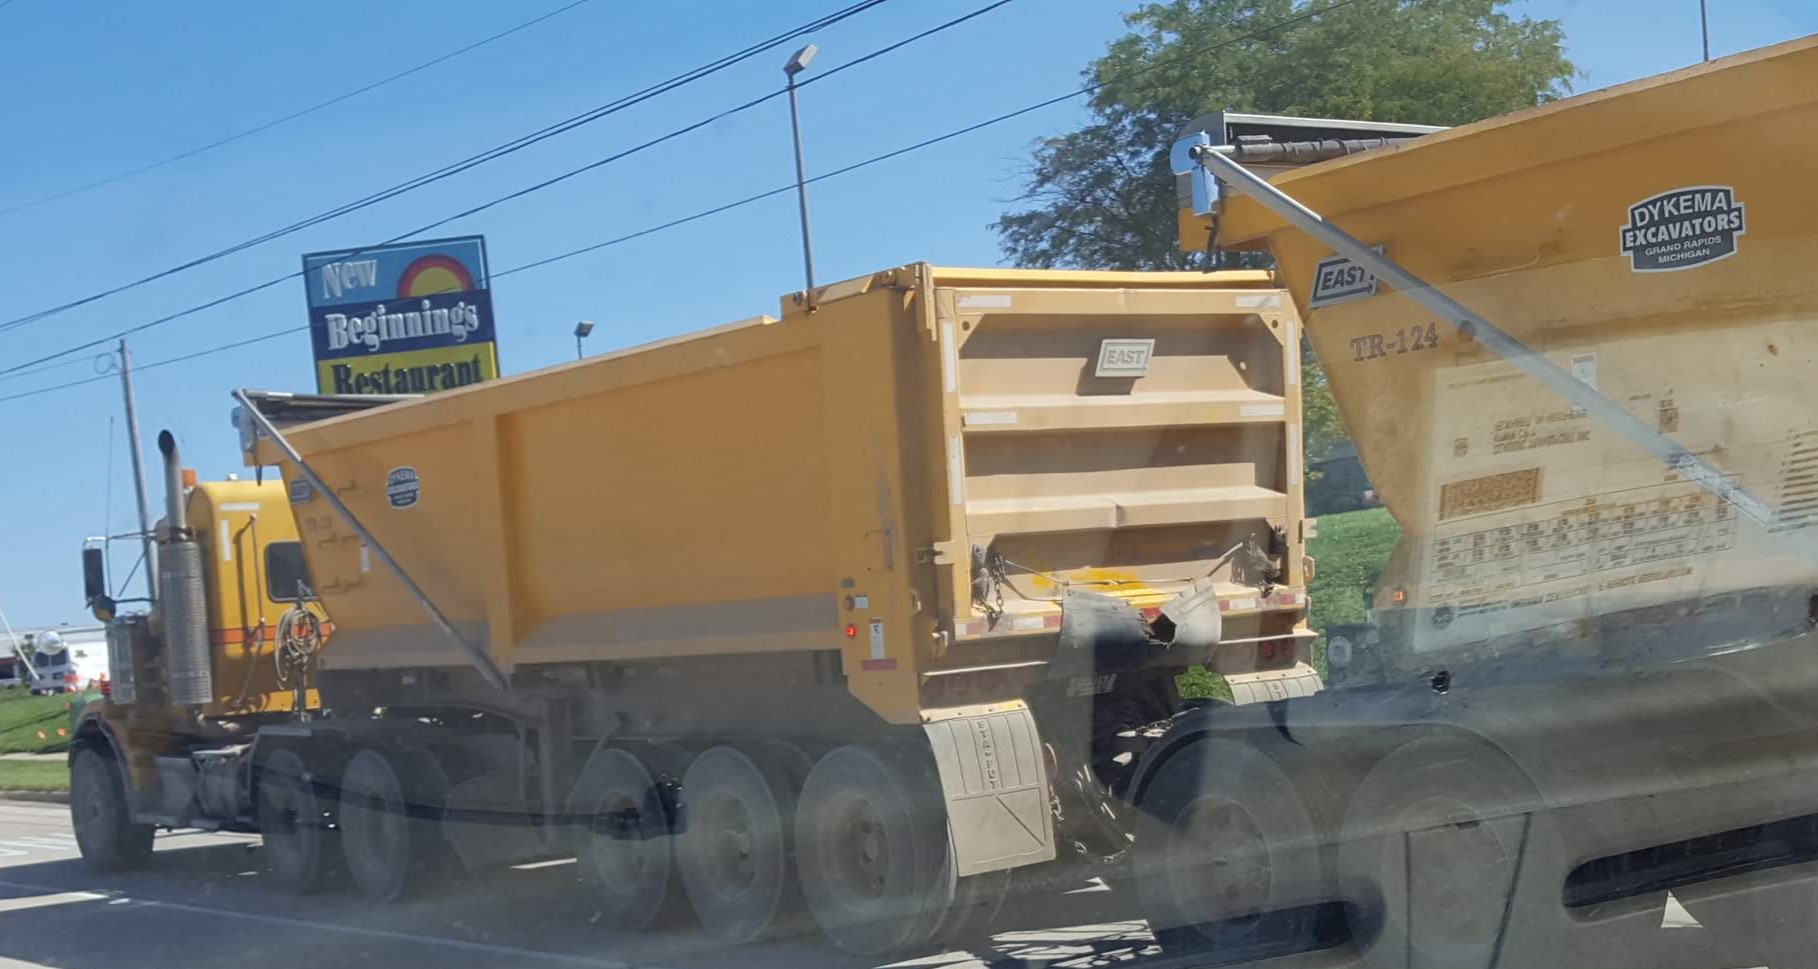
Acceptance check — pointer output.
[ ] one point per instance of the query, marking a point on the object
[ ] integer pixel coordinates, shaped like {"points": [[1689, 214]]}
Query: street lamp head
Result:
{"points": [[583, 328], [798, 61]]}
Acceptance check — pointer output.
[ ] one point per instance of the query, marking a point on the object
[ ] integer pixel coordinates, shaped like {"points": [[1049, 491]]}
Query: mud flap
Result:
{"points": [[995, 784], [1300, 679], [1098, 634]]}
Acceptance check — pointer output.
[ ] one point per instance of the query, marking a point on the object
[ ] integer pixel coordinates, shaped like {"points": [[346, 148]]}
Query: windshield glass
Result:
{"points": [[1292, 484]]}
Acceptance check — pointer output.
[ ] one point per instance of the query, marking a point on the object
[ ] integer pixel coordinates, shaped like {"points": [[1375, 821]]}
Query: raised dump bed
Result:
{"points": [[1649, 241]]}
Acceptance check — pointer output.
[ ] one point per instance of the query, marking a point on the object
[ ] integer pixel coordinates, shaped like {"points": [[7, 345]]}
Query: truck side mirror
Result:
{"points": [[94, 575]]}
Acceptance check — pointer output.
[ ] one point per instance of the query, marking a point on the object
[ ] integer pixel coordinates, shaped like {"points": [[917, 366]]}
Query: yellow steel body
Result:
{"points": [[1499, 484], [235, 522], [817, 482]]}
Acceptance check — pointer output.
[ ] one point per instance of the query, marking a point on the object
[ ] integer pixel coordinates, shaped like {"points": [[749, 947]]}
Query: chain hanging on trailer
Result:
{"points": [[988, 581]]}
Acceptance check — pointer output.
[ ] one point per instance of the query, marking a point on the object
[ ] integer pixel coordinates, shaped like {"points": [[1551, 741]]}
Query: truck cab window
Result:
{"points": [[284, 570]]}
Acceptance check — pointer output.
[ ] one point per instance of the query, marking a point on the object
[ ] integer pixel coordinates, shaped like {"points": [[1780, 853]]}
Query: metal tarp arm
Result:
{"points": [[476, 655]]}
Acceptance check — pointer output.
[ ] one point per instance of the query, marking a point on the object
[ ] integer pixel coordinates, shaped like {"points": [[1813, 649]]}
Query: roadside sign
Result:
{"points": [[406, 318]]}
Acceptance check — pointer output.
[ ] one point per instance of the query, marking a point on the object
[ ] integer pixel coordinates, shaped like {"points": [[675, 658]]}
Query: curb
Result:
{"points": [[40, 797]]}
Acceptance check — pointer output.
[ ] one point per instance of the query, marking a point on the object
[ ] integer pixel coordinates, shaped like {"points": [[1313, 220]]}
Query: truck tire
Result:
{"points": [[623, 842], [298, 847], [870, 846], [977, 900], [960, 911], [1226, 856], [1474, 816], [737, 855], [390, 816], [105, 832]]}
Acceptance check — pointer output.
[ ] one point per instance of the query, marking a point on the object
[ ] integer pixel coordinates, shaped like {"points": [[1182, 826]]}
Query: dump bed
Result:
{"points": [[912, 471], [1655, 241]]}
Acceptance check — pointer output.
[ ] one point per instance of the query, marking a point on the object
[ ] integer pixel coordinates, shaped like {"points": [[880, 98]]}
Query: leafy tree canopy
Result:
{"points": [[1103, 196]]}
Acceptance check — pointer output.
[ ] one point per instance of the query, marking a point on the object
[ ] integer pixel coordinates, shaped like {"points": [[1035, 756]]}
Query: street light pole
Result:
{"points": [[1704, 27], [581, 331], [798, 62]]}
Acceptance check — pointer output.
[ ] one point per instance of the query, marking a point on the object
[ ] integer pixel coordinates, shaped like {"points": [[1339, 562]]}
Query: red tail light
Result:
{"points": [[1274, 654]]}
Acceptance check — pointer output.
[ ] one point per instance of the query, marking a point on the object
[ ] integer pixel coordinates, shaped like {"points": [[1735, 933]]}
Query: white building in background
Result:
{"points": [[85, 655]]}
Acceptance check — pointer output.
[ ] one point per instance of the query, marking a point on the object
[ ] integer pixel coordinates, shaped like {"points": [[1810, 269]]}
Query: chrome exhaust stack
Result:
{"points": [[182, 591]]}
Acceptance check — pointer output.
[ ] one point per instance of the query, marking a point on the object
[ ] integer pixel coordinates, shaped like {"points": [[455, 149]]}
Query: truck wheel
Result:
{"points": [[1226, 855], [735, 854], [297, 847], [389, 832], [977, 900], [105, 831], [1434, 839], [869, 847], [624, 841]]}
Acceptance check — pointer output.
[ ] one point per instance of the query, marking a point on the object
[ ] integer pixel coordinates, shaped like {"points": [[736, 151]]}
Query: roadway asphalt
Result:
{"points": [[200, 905]]}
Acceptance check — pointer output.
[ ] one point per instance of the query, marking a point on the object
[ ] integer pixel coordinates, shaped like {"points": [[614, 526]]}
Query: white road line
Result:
{"points": [[385, 934], [41, 901]]}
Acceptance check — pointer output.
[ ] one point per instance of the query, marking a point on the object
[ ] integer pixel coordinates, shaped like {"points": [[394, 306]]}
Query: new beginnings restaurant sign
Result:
{"points": [[409, 318]]}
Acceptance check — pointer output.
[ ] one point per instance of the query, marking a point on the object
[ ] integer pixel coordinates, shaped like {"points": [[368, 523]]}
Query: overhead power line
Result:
{"points": [[740, 203], [519, 193], [465, 164], [285, 119]]}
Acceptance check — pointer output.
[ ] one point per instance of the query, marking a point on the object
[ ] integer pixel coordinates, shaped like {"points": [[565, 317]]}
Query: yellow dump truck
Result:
{"points": [[862, 607], [1574, 346]]}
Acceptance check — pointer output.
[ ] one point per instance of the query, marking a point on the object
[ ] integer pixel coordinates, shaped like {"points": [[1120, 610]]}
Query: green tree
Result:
{"points": [[1103, 196]]}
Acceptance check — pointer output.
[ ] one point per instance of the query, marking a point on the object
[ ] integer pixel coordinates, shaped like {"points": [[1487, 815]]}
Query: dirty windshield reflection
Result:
{"points": [[1347, 529]]}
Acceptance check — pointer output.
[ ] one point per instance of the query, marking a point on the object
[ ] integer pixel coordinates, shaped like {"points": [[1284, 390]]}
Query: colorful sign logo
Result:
{"points": [[408, 318]]}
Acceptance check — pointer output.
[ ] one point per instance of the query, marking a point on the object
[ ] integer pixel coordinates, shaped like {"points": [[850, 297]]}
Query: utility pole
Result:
{"points": [[132, 437], [1704, 28], [798, 62]]}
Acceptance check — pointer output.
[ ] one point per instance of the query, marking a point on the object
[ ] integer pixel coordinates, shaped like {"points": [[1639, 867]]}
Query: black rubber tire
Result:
{"points": [[737, 857], [977, 900], [389, 816], [869, 848], [1226, 856], [1462, 789], [623, 842], [105, 832], [300, 850]]}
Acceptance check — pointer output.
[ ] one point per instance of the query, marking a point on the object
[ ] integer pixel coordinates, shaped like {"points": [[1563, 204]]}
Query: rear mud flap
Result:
{"points": [[1300, 679], [1098, 634], [995, 784]]}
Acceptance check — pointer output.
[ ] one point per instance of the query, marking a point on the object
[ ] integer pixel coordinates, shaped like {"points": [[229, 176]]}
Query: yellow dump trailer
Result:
{"points": [[863, 606], [1608, 240], [1574, 347], [911, 473]]}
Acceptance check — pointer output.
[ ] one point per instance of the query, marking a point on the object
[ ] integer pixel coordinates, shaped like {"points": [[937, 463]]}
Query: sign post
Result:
{"points": [[407, 318]]}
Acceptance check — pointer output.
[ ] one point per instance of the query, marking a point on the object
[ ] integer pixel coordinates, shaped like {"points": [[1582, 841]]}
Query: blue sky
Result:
{"points": [[91, 87]]}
